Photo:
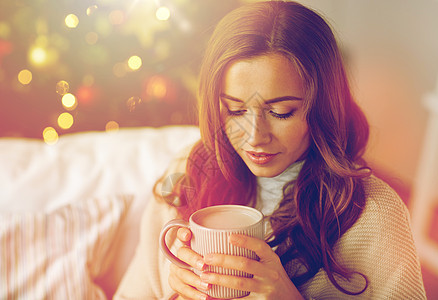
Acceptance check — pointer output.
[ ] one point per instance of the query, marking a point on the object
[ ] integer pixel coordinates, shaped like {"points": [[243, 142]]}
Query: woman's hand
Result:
{"points": [[183, 281], [270, 280]]}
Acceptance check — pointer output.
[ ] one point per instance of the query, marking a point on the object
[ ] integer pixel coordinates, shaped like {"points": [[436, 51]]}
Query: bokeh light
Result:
{"points": [[156, 87], [50, 135], [87, 94], [133, 103], [62, 87], [69, 101], [116, 17], [42, 56], [101, 53], [38, 56], [112, 126], [162, 13], [134, 62], [65, 120], [71, 21], [91, 10], [25, 77]]}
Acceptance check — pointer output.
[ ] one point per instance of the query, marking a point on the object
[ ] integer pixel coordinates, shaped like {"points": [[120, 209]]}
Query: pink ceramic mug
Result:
{"points": [[211, 227]]}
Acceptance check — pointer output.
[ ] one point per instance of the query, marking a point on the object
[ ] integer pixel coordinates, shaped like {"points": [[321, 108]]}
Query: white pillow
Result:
{"points": [[80, 165], [57, 255], [37, 178]]}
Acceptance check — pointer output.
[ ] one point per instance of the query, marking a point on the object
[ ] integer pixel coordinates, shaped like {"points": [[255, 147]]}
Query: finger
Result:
{"points": [[186, 290], [234, 282], [261, 248], [189, 256], [239, 263], [188, 277], [184, 235]]}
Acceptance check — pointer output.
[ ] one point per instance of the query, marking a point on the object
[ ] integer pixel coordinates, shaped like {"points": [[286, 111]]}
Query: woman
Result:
{"points": [[281, 132]]}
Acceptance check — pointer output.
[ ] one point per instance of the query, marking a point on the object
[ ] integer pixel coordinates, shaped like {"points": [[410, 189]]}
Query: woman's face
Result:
{"points": [[262, 110]]}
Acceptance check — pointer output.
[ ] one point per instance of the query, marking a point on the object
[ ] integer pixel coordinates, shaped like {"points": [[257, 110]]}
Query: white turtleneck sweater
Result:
{"points": [[270, 189], [379, 245]]}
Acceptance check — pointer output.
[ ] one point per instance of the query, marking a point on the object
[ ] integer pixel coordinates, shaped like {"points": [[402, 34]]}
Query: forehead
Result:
{"points": [[269, 76]]}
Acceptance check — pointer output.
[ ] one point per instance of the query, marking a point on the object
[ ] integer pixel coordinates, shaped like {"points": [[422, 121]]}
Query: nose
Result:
{"points": [[258, 130]]}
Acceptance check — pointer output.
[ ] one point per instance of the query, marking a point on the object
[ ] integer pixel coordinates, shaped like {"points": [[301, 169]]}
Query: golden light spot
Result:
{"points": [[112, 126], [25, 77], [41, 56], [38, 55], [116, 17], [65, 120], [91, 10], [156, 87], [133, 103], [62, 87], [69, 101], [71, 21], [134, 62], [50, 135], [162, 13], [91, 38]]}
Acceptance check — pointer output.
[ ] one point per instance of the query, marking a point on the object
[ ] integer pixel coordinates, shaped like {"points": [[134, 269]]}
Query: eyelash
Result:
{"points": [[282, 116], [237, 113]]}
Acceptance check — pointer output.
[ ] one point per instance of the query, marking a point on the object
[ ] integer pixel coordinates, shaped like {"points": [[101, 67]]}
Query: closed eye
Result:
{"points": [[282, 116], [272, 113], [236, 112]]}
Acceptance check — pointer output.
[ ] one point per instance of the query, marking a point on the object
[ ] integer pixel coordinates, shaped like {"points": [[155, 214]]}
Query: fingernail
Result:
{"points": [[204, 285], [185, 236], [200, 264]]}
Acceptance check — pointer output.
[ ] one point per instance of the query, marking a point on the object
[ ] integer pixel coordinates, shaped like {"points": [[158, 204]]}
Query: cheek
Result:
{"points": [[297, 137], [235, 133], [303, 140]]}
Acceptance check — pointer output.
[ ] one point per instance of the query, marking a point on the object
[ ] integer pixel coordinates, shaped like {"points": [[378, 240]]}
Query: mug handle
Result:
{"points": [[170, 256]]}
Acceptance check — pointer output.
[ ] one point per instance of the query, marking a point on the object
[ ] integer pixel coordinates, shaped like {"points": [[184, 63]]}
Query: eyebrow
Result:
{"points": [[269, 101]]}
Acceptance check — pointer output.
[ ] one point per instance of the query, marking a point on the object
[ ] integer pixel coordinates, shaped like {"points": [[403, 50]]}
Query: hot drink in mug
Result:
{"points": [[211, 227]]}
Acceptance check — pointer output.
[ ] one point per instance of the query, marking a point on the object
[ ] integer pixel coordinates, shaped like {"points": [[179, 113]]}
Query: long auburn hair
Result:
{"points": [[328, 196]]}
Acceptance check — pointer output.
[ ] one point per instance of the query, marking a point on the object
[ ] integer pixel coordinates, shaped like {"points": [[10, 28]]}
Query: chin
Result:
{"points": [[265, 171]]}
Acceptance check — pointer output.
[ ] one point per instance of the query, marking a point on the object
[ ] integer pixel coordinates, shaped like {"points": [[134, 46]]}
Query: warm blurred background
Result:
{"points": [[69, 66], [93, 65]]}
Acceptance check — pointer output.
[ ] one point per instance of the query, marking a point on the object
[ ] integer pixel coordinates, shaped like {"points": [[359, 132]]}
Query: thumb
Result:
{"points": [[184, 235]]}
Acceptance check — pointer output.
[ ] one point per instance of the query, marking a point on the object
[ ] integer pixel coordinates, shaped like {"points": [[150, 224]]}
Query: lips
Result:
{"points": [[260, 158]]}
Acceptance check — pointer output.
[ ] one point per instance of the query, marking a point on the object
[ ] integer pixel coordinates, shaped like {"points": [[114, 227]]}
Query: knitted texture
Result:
{"points": [[380, 246]]}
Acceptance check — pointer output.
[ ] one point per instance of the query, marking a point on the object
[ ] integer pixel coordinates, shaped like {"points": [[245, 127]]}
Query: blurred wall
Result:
{"points": [[391, 48]]}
